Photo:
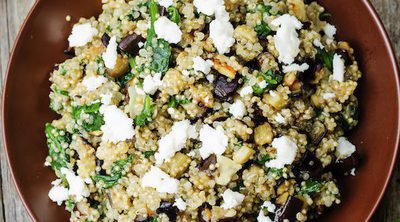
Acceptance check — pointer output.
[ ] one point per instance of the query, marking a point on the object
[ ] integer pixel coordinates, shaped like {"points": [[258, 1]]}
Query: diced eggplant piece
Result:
{"points": [[177, 166], [120, 68], [168, 209], [205, 166], [161, 10], [130, 44], [317, 133], [343, 166], [289, 210], [310, 74], [105, 39], [225, 89], [309, 164]]}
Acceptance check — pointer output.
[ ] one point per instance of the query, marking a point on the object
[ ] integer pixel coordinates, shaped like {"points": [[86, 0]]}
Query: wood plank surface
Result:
{"points": [[12, 14]]}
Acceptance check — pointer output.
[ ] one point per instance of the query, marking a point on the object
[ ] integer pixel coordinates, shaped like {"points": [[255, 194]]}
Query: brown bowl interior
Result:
{"points": [[41, 43]]}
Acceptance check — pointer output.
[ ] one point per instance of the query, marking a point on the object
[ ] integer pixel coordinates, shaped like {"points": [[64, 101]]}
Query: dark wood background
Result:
{"points": [[12, 14]]}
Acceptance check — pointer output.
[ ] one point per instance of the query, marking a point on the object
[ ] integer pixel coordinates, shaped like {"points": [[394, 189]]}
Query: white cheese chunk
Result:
{"points": [[106, 98], [262, 218], [166, 3], [214, 141], [81, 35], [231, 199], [318, 43], [174, 141], [338, 68], [167, 30], [270, 206], [58, 193], [247, 90], [237, 109], [180, 204], [159, 180], [77, 186], [118, 126], [344, 148], [204, 66], [208, 7], [286, 40], [221, 31], [151, 84], [330, 31], [295, 68], [92, 83], [286, 151], [110, 55]]}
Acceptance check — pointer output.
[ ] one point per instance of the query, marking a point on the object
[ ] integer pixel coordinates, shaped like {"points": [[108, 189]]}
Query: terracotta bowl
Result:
{"points": [[43, 38]]}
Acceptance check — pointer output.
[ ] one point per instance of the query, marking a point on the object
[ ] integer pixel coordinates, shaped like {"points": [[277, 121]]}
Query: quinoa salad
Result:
{"points": [[203, 110]]}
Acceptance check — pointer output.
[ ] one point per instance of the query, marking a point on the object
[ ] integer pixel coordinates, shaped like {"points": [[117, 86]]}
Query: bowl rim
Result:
{"points": [[381, 28]]}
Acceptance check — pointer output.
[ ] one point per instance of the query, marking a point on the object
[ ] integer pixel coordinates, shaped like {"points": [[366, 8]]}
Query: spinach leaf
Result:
{"points": [[263, 30], [60, 91], [57, 140], [151, 33], [174, 102], [70, 205], [145, 116], [93, 111], [272, 80], [275, 172], [117, 170], [326, 58], [153, 219], [148, 154], [174, 14], [262, 159], [310, 187], [161, 56]]}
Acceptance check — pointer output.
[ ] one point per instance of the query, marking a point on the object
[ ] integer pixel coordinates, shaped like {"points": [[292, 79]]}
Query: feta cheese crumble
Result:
{"points": [[159, 180], [165, 3], [76, 185], [118, 126], [262, 218], [344, 148], [58, 193], [318, 43], [287, 41], [208, 7], [110, 55], [92, 83], [330, 31], [81, 35], [295, 68], [180, 204], [167, 30], [247, 90], [174, 141], [151, 84], [338, 68], [237, 109], [286, 151], [204, 66], [221, 31], [231, 199], [214, 141], [106, 98], [270, 206]]}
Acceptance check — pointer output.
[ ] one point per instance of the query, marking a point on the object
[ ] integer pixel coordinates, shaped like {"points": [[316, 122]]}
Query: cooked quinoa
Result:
{"points": [[203, 110]]}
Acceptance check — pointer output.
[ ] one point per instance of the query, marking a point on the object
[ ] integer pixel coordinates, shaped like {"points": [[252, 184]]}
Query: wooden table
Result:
{"points": [[12, 14]]}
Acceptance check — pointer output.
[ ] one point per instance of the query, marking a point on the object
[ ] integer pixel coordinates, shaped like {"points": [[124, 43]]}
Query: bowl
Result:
{"points": [[43, 38]]}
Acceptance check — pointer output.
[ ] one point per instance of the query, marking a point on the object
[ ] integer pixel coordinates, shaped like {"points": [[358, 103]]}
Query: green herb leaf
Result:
{"points": [[264, 8], [263, 29], [275, 172], [174, 102], [117, 170], [262, 159], [151, 33], [145, 116], [57, 140], [153, 219], [63, 71], [161, 56], [93, 111], [174, 14], [310, 187], [70, 205], [272, 80], [148, 154], [326, 58]]}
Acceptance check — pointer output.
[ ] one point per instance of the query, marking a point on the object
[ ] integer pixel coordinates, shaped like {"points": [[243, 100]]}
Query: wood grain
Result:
{"points": [[13, 12]]}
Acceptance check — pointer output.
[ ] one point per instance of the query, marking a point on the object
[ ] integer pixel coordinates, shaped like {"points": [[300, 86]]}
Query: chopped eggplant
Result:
{"points": [[343, 166], [317, 133], [130, 44], [105, 39], [168, 209], [289, 210], [309, 164], [225, 89], [70, 52], [205, 166]]}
